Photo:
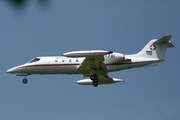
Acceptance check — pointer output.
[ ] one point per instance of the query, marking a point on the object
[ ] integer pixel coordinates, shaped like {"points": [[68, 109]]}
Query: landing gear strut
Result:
{"points": [[94, 78], [25, 81]]}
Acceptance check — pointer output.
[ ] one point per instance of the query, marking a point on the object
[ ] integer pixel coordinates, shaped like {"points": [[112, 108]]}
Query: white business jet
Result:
{"points": [[95, 64]]}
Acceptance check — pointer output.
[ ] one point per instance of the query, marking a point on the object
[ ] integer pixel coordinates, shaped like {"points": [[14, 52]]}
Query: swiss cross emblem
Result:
{"points": [[152, 47]]}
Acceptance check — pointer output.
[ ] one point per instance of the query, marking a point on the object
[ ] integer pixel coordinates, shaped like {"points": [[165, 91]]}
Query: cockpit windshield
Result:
{"points": [[34, 60]]}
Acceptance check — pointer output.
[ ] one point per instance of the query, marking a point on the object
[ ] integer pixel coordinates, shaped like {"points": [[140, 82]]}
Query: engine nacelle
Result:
{"points": [[120, 57], [90, 82], [114, 58]]}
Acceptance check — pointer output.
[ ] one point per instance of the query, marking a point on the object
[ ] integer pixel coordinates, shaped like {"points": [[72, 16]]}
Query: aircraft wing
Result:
{"points": [[95, 63], [105, 79], [93, 59], [101, 70]]}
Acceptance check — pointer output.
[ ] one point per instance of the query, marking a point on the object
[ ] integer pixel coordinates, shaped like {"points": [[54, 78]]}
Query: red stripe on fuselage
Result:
{"points": [[40, 65], [53, 65]]}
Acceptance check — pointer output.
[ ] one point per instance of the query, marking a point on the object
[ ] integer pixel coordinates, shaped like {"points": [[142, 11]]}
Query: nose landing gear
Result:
{"points": [[25, 81]]}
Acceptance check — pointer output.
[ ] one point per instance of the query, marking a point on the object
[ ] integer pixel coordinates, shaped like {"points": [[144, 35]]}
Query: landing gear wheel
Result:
{"points": [[25, 81], [92, 77], [95, 83], [95, 80]]}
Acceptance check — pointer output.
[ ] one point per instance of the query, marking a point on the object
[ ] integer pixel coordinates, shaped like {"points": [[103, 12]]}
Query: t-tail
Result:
{"points": [[156, 48]]}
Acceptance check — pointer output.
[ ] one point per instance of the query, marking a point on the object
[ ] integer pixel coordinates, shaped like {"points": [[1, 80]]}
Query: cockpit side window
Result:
{"points": [[34, 60]]}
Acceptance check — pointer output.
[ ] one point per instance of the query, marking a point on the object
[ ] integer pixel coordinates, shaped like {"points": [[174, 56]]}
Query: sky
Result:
{"points": [[151, 93]]}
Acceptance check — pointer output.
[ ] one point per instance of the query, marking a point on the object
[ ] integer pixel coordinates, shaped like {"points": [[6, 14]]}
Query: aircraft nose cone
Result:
{"points": [[11, 70]]}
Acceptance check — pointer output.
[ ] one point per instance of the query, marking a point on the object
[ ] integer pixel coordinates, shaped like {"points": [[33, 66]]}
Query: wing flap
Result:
{"points": [[105, 79]]}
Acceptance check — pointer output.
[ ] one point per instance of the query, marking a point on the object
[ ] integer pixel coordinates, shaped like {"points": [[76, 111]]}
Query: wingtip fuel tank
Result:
{"points": [[90, 82], [87, 53]]}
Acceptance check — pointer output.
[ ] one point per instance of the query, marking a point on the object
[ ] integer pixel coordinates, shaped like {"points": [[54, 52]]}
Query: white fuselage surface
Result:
{"points": [[95, 63], [67, 65]]}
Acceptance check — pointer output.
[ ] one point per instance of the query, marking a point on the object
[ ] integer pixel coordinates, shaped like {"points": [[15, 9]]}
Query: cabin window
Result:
{"points": [[62, 60], [112, 56], [77, 60], [69, 60]]}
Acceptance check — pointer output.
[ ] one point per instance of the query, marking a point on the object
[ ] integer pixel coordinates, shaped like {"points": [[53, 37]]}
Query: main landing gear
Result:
{"points": [[25, 81], [94, 78]]}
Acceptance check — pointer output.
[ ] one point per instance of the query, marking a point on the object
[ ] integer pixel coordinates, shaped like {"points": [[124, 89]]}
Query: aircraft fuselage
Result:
{"points": [[68, 65], [96, 64]]}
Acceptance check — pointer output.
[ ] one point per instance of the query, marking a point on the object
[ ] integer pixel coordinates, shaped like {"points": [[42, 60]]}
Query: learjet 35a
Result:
{"points": [[95, 64]]}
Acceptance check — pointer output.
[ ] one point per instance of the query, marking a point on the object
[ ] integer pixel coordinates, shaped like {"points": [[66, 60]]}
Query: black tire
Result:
{"points": [[95, 83], [92, 77], [25, 81]]}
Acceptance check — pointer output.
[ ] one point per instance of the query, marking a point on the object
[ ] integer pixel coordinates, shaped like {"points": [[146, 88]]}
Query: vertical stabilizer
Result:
{"points": [[156, 48]]}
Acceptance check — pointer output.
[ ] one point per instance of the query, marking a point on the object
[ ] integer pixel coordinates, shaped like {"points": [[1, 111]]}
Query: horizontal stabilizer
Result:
{"points": [[165, 39], [170, 44]]}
